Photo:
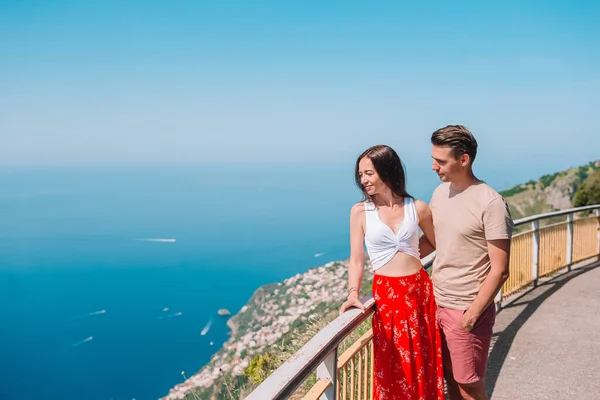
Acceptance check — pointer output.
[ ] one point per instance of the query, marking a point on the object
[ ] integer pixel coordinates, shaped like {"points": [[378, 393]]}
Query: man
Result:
{"points": [[473, 229]]}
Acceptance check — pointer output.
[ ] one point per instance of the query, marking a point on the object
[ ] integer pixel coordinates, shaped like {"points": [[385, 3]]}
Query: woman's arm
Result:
{"points": [[357, 257], [427, 241]]}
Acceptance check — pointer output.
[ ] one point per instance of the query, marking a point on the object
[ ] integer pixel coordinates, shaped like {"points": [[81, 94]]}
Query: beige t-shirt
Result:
{"points": [[464, 221]]}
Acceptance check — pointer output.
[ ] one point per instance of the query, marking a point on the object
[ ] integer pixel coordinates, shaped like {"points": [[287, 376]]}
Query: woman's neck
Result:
{"points": [[387, 199]]}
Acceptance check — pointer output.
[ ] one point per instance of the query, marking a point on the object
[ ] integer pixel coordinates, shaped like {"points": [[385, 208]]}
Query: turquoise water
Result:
{"points": [[93, 309]]}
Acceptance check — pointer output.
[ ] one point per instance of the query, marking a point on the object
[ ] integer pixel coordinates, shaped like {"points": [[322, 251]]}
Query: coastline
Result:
{"points": [[266, 318]]}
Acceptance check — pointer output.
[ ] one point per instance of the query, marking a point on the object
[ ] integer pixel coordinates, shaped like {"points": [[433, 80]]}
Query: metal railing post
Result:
{"points": [[535, 252], [569, 240], [327, 370], [598, 243]]}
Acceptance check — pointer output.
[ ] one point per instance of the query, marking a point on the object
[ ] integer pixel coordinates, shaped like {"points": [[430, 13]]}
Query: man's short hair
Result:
{"points": [[458, 138]]}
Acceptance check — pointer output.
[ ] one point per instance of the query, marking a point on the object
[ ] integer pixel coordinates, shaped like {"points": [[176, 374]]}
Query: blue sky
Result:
{"points": [[191, 82]]}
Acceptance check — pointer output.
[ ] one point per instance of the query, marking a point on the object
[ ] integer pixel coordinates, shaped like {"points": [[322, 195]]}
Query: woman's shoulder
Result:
{"points": [[421, 206], [358, 208]]}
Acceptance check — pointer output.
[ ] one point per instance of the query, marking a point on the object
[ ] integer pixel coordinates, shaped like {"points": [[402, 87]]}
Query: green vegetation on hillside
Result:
{"points": [[546, 180], [518, 189], [589, 191]]}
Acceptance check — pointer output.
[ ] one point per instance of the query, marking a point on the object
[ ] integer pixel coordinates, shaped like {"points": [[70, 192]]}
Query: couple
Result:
{"points": [[425, 330]]}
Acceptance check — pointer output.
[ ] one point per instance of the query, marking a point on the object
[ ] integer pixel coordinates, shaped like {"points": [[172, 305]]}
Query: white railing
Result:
{"points": [[536, 253]]}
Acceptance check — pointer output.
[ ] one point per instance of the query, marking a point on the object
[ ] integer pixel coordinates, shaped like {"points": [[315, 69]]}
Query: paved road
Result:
{"points": [[546, 343]]}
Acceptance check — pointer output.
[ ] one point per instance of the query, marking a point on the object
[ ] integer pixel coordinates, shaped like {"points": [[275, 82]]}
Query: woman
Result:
{"points": [[406, 340]]}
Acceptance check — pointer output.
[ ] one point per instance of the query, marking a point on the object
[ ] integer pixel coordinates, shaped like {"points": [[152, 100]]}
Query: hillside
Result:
{"points": [[549, 193], [268, 323]]}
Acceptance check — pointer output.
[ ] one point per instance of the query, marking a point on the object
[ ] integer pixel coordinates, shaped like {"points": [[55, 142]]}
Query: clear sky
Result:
{"points": [[172, 82]]}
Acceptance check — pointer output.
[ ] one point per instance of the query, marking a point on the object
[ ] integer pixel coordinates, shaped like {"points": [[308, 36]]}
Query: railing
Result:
{"points": [[542, 251], [536, 253]]}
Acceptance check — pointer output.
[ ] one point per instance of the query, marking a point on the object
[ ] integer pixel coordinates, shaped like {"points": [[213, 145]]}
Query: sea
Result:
{"points": [[111, 277]]}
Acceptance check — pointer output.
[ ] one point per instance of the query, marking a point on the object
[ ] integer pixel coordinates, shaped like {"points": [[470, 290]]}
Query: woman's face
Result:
{"points": [[369, 177]]}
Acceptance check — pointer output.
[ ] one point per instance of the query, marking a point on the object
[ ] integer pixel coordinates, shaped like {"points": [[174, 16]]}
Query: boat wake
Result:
{"points": [[177, 314], [90, 314], [206, 328], [87, 339], [320, 254], [160, 240]]}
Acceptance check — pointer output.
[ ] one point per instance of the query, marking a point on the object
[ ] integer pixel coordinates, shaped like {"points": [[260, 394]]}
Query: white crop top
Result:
{"points": [[382, 244]]}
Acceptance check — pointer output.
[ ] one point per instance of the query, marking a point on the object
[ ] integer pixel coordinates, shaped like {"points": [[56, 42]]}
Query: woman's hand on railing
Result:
{"points": [[352, 301]]}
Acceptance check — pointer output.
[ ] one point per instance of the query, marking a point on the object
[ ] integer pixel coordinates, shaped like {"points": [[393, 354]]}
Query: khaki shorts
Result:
{"points": [[466, 352]]}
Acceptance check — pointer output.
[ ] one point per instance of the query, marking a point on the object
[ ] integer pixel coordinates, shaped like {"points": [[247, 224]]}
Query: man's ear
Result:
{"points": [[464, 160]]}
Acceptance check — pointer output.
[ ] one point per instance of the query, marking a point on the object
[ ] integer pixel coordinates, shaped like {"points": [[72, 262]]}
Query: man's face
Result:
{"points": [[445, 165]]}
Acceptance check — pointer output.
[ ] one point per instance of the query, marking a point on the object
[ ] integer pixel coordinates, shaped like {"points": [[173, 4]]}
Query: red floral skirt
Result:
{"points": [[406, 340]]}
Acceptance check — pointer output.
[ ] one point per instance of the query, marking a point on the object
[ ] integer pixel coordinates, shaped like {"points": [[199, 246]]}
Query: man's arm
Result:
{"points": [[499, 252], [425, 247], [498, 226]]}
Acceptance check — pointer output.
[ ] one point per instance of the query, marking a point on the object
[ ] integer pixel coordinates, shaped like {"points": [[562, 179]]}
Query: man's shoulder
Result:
{"points": [[487, 201], [486, 193]]}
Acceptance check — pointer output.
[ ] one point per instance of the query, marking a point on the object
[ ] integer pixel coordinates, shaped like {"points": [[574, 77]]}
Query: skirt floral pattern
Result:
{"points": [[406, 339]]}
